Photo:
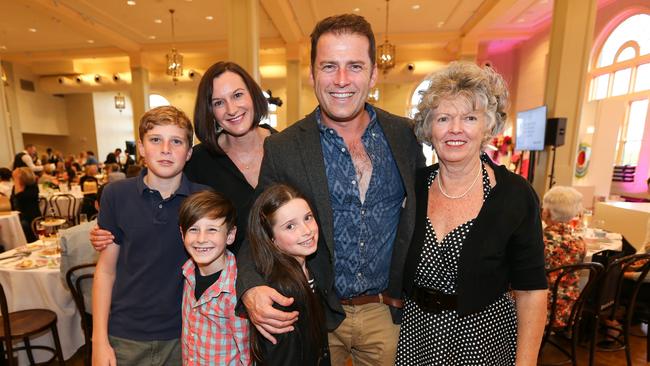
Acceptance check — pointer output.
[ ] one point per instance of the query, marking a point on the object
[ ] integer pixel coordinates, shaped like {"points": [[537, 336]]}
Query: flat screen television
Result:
{"points": [[531, 128]]}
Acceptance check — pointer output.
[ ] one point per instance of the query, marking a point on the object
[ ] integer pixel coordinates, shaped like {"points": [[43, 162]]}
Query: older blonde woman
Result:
{"points": [[478, 236], [561, 246]]}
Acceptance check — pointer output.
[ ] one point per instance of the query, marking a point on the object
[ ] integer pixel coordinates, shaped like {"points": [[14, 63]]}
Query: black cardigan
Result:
{"points": [[504, 248]]}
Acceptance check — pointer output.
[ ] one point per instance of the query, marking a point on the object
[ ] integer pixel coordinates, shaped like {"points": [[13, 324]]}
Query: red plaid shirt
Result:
{"points": [[212, 333]]}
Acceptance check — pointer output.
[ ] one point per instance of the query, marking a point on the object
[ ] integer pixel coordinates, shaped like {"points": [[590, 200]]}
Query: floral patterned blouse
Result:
{"points": [[562, 248]]}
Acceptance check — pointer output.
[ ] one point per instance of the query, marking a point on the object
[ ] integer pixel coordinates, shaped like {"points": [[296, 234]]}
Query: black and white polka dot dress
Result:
{"points": [[488, 337]]}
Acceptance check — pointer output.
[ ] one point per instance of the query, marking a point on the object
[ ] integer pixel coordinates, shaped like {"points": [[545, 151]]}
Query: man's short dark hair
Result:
{"points": [[343, 24]]}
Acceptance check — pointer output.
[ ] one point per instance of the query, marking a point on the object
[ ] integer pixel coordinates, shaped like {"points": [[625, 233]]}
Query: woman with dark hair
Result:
{"points": [[227, 114], [24, 198], [283, 232], [110, 159]]}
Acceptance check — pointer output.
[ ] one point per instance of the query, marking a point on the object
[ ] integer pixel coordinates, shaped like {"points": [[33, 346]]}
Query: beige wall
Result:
{"points": [[81, 121], [532, 71], [39, 113], [112, 126]]}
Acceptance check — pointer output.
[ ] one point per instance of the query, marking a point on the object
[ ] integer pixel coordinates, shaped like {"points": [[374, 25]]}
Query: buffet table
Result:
{"points": [[39, 285]]}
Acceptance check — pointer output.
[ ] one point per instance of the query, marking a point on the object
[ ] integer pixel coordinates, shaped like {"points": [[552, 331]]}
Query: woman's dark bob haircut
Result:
{"points": [[205, 124]]}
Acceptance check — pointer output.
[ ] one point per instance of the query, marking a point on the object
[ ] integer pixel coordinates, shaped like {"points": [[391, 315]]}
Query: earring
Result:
{"points": [[217, 128]]}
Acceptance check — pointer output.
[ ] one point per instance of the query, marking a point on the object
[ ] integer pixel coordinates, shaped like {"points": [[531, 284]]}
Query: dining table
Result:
{"points": [[11, 232], [34, 281]]}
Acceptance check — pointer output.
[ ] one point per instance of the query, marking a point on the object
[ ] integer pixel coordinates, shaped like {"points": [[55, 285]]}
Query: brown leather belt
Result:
{"points": [[382, 298]]}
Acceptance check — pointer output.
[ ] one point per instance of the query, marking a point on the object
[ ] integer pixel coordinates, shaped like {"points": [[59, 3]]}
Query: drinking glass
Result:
{"points": [[83, 218]]}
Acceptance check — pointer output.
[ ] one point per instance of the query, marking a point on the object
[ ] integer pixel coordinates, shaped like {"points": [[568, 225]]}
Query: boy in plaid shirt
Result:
{"points": [[212, 333]]}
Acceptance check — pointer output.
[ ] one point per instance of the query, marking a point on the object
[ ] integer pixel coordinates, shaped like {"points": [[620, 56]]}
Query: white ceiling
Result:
{"points": [[73, 24]]}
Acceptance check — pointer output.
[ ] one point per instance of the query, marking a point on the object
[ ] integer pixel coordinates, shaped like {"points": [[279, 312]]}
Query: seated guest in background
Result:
{"points": [[47, 176], [5, 182], [561, 246], [110, 159], [67, 176], [114, 173], [24, 198], [90, 158], [71, 163], [76, 249], [88, 182]]}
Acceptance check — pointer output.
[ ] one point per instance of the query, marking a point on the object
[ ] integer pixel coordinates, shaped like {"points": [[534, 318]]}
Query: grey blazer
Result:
{"points": [[295, 157]]}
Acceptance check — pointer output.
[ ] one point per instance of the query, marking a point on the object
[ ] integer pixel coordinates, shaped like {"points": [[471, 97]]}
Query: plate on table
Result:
{"points": [[31, 263], [53, 222], [52, 252]]}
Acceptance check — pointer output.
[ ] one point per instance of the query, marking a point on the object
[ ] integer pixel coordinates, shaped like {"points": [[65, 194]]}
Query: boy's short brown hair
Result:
{"points": [[164, 116], [206, 204]]}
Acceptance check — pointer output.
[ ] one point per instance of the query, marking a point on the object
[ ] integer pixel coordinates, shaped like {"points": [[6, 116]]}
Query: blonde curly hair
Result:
{"points": [[481, 88]]}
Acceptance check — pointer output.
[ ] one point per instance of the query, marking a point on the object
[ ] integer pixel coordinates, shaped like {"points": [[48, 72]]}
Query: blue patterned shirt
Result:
{"points": [[364, 233]]}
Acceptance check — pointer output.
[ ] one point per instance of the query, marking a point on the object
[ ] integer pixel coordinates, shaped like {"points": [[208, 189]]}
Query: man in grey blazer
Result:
{"points": [[356, 165]]}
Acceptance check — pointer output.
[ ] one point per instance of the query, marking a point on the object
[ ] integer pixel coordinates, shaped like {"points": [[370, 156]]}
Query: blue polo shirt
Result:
{"points": [[148, 289]]}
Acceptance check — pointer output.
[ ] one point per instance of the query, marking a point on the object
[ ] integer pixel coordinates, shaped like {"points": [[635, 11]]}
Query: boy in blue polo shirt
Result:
{"points": [[138, 282]]}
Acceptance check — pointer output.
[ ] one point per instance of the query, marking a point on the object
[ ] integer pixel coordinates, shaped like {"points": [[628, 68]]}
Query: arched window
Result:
{"points": [[157, 100], [413, 108], [622, 67], [623, 63]]}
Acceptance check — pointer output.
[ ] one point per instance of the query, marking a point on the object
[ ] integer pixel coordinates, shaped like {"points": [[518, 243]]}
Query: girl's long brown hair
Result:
{"points": [[281, 271]]}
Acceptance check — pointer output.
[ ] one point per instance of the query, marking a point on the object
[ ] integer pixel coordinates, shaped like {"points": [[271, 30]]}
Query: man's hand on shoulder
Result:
{"points": [[267, 319], [100, 238]]}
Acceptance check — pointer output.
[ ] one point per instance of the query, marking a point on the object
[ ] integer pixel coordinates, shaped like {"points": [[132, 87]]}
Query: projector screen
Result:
{"points": [[531, 127]]}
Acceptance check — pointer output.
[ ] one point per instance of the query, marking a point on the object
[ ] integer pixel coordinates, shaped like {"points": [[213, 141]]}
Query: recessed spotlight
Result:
{"points": [[33, 30], [130, 2], [415, 7], [356, 10], [157, 21], [189, 1], [209, 17], [3, 47], [440, 24], [152, 37], [91, 41], [521, 20]]}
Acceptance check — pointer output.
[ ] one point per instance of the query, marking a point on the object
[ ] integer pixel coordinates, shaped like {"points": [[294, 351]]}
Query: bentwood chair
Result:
{"points": [[66, 207], [572, 327], [79, 278], [625, 303], [20, 325]]}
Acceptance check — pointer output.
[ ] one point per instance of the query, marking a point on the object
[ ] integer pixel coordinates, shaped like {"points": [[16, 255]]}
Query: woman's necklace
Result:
{"points": [[480, 170], [246, 164]]}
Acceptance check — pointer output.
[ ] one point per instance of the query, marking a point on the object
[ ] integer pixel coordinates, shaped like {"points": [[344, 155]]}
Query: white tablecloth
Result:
{"points": [[42, 288], [11, 233]]}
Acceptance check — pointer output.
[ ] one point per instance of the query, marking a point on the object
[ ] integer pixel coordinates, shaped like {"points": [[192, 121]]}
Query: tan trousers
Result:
{"points": [[367, 334]]}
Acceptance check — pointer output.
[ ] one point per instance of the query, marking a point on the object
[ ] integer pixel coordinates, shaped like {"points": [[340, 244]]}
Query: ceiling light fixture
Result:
{"points": [[3, 47], [33, 30], [209, 17], [174, 59], [91, 41], [152, 37], [130, 2], [356, 10], [386, 51], [157, 21], [120, 102], [415, 7]]}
